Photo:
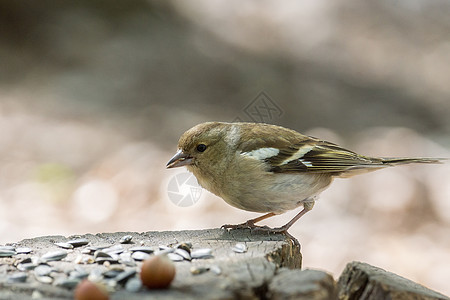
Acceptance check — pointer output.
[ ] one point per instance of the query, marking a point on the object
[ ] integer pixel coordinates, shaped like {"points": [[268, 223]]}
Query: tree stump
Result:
{"points": [[225, 274]]}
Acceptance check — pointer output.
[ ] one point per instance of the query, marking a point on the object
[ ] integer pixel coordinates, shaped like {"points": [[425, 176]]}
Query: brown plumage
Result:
{"points": [[267, 168]]}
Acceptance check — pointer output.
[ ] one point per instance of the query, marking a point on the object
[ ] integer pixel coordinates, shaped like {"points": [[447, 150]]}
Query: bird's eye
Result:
{"points": [[201, 147]]}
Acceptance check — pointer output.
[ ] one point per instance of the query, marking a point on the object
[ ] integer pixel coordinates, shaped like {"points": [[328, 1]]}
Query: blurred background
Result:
{"points": [[95, 94]]}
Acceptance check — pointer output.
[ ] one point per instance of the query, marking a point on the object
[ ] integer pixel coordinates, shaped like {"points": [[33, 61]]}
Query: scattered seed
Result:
{"points": [[7, 253], [68, 283], [185, 246], [198, 270], [44, 279], [106, 260], [95, 275], [26, 260], [78, 273], [142, 249], [78, 242], [43, 270], [133, 285], [139, 255], [23, 250], [26, 266], [36, 295], [111, 273], [92, 249], [126, 239], [18, 277], [201, 253], [240, 248], [116, 249], [125, 275], [164, 252], [64, 245], [183, 253], [10, 248], [54, 255], [100, 253], [175, 257], [215, 269], [162, 247]]}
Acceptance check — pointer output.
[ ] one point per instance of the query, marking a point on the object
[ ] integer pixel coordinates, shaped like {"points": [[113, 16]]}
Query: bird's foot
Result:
{"points": [[270, 230], [246, 225], [255, 228]]}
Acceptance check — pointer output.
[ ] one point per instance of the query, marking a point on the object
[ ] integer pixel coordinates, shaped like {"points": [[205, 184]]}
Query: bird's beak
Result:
{"points": [[179, 159]]}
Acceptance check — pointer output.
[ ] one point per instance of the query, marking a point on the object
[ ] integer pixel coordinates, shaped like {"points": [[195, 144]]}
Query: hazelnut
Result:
{"points": [[157, 272], [88, 290]]}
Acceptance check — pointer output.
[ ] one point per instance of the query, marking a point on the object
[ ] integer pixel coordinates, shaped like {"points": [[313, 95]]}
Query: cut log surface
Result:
{"points": [[243, 272], [235, 264], [363, 281]]}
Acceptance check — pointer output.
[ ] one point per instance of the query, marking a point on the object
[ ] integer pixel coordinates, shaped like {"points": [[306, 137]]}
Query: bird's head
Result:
{"points": [[199, 145]]}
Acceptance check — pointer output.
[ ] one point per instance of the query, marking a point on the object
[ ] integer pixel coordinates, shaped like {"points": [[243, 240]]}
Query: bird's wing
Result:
{"points": [[323, 157], [291, 152]]}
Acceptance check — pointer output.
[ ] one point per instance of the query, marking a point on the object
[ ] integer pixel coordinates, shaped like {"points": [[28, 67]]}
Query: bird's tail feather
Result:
{"points": [[381, 163], [402, 161]]}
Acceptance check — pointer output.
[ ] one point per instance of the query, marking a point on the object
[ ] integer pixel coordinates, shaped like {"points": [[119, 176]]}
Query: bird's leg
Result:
{"points": [[250, 223], [307, 206]]}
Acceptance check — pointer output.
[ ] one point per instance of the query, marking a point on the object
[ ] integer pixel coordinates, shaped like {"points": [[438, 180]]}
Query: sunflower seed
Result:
{"points": [[26, 260], [139, 255], [92, 249], [18, 277], [116, 249], [68, 283], [95, 275], [183, 253], [133, 285], [78, 242], [44, 279], [23, 250], [201, 253], [102, 260], [10, 248], [162, 247], [99, 253], [64, 245], [43, 270], [125, 275], [54, 255], [164, 252], [125, 257], [215, 269], [7, 253], [36, 295], [185, 246], [26, 266], [198, 270], [111, 273], [126, 239], [175, 257], [78, 273], [240, 248], [142, 249]]}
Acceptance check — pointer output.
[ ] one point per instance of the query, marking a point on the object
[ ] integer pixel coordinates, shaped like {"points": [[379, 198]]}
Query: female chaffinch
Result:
{"points": [[267, 168]]}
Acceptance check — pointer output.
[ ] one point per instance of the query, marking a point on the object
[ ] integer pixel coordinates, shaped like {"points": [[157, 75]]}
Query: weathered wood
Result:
{"points": [[306, 284], [244, 275], [363, 281]]}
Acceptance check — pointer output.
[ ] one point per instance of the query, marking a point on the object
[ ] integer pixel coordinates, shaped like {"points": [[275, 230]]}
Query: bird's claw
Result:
{"points": [[254, 228], [246, 225]]}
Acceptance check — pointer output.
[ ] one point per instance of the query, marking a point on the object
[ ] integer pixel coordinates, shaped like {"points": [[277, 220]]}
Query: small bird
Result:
{"points": [[267, 168]]}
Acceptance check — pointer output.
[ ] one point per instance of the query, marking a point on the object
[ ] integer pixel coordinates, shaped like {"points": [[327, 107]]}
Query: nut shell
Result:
{"points": [[87, 290], [157, 272]]}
